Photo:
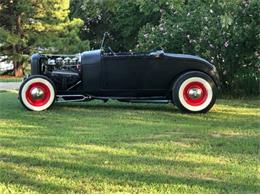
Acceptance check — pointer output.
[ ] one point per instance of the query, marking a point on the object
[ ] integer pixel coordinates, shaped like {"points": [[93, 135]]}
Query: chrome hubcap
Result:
{"points": [[195, 93], [37, 93]]}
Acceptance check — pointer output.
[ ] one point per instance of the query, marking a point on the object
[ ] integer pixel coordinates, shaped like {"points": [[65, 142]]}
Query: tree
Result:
{"points": [[29, 25], [122, 19]]}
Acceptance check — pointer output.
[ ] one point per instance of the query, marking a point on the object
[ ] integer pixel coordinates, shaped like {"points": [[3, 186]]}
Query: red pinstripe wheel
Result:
{"points": [[195, 93], [38, 94]]}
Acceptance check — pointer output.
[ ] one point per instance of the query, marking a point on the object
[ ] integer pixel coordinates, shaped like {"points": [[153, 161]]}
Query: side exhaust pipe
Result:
{"points": [[72, 98]]}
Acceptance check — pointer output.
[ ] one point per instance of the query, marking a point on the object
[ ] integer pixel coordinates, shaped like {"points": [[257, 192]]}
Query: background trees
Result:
{"points": [[122, 19], [29, 26]]}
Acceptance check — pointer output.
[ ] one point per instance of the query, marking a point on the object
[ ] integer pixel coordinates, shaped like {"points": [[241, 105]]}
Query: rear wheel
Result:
{"points": [[37, 93], [194, 92]]}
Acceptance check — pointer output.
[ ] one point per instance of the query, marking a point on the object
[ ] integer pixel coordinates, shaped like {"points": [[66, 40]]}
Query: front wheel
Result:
{"points": [[194, 92], [37, 93]]}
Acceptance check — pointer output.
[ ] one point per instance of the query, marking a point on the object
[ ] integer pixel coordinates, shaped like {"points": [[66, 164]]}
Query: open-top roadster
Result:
{"points": [[188, 81]]}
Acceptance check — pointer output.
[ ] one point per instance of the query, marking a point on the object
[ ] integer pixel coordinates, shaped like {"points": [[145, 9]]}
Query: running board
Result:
{"points": [[81, 98], [146, 101]]}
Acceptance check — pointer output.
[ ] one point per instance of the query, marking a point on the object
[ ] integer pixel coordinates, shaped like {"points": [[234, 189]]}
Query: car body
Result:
{"points": [[130, 77]]}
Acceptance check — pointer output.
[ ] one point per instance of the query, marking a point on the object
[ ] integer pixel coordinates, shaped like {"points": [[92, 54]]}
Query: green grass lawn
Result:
{"points": [[129, 148], [10, 79]]}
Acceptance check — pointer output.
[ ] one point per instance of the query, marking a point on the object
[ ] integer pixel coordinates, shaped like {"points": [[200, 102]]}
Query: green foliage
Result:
{"points": [[122, 19], [27, 26]]}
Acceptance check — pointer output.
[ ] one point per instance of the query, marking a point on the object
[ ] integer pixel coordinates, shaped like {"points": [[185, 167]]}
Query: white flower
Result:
{"points": [[226, 44]]}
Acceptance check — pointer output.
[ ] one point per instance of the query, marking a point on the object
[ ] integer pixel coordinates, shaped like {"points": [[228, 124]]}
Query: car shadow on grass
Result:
{"points": [[113, 105]]}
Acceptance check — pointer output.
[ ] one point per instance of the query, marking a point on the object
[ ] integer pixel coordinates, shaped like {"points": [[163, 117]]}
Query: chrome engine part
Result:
{"points": [[65, 71]]}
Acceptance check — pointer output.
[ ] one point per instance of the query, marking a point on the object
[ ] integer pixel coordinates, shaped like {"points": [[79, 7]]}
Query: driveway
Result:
{"points": [[9, 85]]}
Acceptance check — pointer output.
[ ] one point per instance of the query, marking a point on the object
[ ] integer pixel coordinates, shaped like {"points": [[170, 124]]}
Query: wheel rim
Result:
{"points": [[38, 94], [195, 94]]}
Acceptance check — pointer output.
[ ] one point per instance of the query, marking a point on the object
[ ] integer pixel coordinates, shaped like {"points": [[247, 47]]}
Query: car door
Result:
{"points": [[132, 75]]}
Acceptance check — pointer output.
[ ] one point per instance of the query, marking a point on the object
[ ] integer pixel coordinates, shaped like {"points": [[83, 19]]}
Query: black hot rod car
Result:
{"points": [[190, 82]]}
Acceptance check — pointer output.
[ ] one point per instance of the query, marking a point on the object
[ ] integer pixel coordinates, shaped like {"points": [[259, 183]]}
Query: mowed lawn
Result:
{"points": [[113, 147], [10, 79]]}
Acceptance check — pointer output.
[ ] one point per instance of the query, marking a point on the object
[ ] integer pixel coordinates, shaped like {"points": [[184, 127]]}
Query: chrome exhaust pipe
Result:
{"points": [[72, 98]]}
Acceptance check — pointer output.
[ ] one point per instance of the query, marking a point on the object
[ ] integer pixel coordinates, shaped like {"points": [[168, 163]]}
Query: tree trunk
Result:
{"points": [[18, 65], [18, 72], [18, 69]]}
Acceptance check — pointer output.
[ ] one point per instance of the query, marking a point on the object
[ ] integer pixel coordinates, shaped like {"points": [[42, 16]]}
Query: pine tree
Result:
{"points": [[28, 25]]}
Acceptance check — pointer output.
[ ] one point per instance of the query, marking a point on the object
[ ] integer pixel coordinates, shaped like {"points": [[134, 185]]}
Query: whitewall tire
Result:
{"points": [[37, 93], [194, 92]]}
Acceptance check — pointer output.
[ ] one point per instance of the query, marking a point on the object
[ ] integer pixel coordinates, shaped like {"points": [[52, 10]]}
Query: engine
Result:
{"points": [[64, 71]]}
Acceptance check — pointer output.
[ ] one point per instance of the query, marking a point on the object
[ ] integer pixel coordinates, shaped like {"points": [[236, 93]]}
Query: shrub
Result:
{"points": [[227, 33]]}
